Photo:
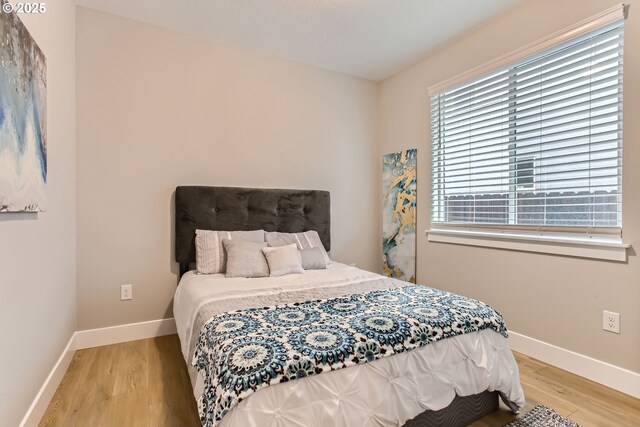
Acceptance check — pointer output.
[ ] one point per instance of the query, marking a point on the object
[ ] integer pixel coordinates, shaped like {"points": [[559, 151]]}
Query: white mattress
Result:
{"points": [[386, 392]]}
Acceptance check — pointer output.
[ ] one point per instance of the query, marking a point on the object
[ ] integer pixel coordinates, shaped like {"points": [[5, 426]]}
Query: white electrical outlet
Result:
{"points": [[611, 321], [126, 292]]}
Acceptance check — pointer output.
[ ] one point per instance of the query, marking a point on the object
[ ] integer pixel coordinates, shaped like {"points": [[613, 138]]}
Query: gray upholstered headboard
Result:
{"points": [[231, 208]]}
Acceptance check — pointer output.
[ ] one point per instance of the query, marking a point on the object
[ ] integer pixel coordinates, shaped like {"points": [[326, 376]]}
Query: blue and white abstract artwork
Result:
{"points": [[23, 118], [399, 215]]}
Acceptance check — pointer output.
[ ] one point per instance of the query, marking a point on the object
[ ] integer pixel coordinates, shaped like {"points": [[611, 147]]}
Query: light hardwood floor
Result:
{"points": [[145, 383]]}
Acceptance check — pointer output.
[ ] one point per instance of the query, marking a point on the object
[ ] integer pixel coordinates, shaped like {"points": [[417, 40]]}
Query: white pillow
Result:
{"points": [[283, 260], [245, 259], [210, 254], [308, 239]]}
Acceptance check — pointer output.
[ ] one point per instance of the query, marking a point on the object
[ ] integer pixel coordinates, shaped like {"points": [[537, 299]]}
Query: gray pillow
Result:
{"points": [[245, 259], [308, 239], [210, 254], [313, 259], [283, 260]]}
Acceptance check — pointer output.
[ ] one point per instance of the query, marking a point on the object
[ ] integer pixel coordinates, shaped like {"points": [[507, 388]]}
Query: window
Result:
{"points": [[535, 144]]}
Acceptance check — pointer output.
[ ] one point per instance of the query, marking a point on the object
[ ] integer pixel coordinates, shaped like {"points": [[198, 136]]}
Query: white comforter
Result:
{"points": [[387, 392]]}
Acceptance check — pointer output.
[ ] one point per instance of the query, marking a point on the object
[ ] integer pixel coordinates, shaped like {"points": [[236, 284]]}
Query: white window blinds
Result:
{"points": [[536, 143]]}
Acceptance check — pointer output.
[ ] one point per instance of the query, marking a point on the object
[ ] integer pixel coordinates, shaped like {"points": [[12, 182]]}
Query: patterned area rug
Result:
{"points": [[541, 416]]}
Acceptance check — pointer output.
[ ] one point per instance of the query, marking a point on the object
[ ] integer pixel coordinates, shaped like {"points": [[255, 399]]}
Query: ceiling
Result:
{"points": [[372, 39]]}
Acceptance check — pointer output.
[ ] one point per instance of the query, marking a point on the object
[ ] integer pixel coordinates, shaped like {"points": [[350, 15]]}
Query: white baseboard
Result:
{"points": [[86, 339], [123, 333], [39, 405], [612, 376]]}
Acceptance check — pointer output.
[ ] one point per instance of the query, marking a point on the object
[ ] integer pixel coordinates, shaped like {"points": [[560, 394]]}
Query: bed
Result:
{"points": [[449, 382]]}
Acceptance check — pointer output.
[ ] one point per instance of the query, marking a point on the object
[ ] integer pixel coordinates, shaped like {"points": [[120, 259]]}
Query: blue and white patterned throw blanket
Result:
{"points": [[240, 352]]}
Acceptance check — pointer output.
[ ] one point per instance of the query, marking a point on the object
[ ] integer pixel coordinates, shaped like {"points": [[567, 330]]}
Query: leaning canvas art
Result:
{"points": [[23, 118], [399, 215]]}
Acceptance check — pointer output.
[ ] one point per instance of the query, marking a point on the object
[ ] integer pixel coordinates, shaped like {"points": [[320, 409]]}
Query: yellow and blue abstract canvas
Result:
{"points": [[23, 123], [399, 215]]}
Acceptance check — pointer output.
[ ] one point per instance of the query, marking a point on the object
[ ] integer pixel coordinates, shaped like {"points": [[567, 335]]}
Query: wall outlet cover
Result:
{"points": [[611, 321], [126, 292]]}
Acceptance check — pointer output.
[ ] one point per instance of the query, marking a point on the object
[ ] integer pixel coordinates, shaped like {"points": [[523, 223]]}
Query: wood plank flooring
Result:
{"points": [[137, 383], [145, 383], [583, 401]]}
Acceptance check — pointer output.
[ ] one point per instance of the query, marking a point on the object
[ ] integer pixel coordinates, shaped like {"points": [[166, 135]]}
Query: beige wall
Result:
{"points": [[37, 252], [158, 109], [552, 298]]}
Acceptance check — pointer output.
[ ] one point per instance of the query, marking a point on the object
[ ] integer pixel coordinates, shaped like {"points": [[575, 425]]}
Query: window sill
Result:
{"points": [[576, 247]]}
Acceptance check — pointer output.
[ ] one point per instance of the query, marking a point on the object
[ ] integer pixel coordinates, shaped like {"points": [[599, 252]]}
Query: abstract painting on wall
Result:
{"points": [[399, 215], [23, 118]]}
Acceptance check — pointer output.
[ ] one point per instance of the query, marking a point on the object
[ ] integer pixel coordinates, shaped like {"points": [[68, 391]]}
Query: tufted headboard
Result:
{"points": [[231, 208]]}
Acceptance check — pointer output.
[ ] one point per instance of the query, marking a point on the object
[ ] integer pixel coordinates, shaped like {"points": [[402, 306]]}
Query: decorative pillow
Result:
{"points": [[283, 260], [210, 255], [313, 259], [245, 259], [308, 239]]}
